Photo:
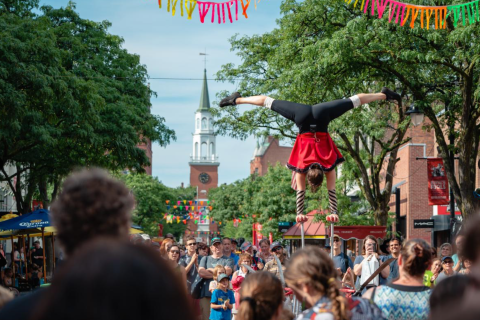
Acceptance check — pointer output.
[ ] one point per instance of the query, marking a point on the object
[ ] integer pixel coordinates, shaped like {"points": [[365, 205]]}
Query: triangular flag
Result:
{"points": [[210, 207], [167, 201], [168, 207], [184, 221], [201, 202], [181, 207], [186, 208], [174, 207], [190, 202], [184, 201], [220, 222]]}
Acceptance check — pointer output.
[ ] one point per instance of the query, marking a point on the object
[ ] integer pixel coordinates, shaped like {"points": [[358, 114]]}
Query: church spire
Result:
{"points": [[204, 98]]}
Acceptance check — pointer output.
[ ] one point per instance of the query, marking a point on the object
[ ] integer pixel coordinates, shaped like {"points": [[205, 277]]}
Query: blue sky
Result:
{"points": [[169, 46]]}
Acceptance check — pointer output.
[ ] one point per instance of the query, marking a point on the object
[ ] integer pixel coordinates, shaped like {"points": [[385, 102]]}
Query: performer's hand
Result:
{"points": [[333, 218], [301, 218]]}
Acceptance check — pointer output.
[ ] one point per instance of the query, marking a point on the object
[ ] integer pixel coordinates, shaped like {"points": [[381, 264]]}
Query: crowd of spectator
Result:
{"points": [[109, 274]]}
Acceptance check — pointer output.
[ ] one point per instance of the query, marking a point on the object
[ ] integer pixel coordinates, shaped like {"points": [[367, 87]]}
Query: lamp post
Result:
{"points": [[416, 115]]}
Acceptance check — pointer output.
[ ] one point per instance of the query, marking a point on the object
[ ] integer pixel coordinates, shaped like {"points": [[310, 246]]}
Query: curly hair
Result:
{"points": [[312, 266], [91, 204]]}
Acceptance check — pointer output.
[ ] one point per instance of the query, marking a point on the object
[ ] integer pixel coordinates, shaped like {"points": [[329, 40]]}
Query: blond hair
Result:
{"points": [[216, 271], [313, 267]]}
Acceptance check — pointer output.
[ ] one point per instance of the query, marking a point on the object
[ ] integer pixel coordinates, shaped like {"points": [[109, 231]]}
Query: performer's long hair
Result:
{"points": [[315, 177]]}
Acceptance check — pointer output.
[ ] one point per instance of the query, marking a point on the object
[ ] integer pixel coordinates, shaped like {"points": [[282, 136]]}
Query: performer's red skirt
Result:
{"points": [[314, 148]]}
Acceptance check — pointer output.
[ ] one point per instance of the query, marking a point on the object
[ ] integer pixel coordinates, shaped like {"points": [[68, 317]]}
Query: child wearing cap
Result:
{"points": [[218, 270], [222, 300]]}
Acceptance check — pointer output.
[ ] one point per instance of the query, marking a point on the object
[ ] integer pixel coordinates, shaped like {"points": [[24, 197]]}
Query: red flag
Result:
{"points": [[437, 182]]}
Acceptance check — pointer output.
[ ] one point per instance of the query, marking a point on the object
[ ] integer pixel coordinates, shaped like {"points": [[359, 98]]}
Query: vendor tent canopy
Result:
{"points": [[313, 230], [36, 219], [360, 232]]}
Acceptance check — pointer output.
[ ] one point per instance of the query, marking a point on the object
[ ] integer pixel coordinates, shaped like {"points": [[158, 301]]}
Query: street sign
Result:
{"points": [[284, 226], [423, 223]]}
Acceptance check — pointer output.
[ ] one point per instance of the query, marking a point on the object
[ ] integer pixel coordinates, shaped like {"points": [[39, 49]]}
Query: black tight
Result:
{"points": [[320, 114]]}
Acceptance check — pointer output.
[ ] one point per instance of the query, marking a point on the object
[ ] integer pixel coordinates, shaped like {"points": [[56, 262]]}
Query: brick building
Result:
{"points": [[268, 152], [410, 177], [147, 147]]}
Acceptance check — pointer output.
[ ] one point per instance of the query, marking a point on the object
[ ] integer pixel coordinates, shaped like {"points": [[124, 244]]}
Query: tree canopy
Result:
{"points": [[268, 200], [70, 96], [324, 50]]}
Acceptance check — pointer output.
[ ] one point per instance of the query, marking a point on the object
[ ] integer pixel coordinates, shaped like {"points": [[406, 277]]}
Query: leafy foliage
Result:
{"points": [[70, 96], [150, 202], [324, 50], [268, 199]]}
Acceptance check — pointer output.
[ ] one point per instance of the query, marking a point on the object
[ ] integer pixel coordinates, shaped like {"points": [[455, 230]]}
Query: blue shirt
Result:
{"points": [[219, 297], [235, 258], [343, 262], [393, 270]]}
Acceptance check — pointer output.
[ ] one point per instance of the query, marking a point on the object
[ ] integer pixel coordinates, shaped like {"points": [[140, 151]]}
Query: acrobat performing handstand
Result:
{"points": [[314, 153]]}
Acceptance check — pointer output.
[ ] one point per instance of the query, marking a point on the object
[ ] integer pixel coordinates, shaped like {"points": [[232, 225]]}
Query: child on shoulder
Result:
{"points": [[222, 300], [218, 270]]}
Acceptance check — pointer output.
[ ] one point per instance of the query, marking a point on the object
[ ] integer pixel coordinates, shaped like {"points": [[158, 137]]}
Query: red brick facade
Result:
{"points": [[196, 170], [410, 176], [269, 153], [147, 147]]}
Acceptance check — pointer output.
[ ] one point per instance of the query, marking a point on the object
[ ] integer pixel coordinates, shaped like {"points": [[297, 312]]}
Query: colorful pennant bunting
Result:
{"points": [[402, 12]]}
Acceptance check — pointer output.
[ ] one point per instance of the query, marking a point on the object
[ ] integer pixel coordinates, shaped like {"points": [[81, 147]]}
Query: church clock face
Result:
{"points": [[204, 177]]}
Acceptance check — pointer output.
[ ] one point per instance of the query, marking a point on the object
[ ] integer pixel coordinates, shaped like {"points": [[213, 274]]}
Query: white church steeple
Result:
{"points": [[204, 144]]}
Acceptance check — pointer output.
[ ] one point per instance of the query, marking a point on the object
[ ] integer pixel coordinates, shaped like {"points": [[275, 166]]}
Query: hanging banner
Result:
{"points": [[426, 16], [437, 182]]}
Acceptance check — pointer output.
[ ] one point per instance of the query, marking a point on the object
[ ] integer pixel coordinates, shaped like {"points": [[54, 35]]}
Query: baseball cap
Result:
{"points": [[447, 257], [245, 245], [169, 235], [336, 236], [145, 236], [233, 240], [216, 240], [221, 277], [327, 246], [275, 245]]}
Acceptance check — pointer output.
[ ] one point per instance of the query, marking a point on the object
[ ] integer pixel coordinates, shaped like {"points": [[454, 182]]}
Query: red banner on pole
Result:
{"points": [[437, 182]]}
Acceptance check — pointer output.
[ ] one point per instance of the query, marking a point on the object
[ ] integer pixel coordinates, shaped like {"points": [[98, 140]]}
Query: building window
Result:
{"points": [[198, 123], [204, 151], [210, 124], [204, 123], [196, 155], [212, 148]]}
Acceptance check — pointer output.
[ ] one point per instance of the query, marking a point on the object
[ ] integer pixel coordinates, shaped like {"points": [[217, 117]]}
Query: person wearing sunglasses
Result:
{"points": [[447, 265], [272, 266], [340, 259], [174, 258], [190, 261]]}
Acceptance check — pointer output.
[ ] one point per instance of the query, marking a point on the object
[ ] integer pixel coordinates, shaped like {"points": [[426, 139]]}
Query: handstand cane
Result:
{"points": [[331, 240], [302, 232]]}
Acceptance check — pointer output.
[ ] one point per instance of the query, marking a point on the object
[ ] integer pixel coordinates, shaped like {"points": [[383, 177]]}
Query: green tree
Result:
{"points": [[70, 96], [150, 202], [323, 50], [268, 199]]}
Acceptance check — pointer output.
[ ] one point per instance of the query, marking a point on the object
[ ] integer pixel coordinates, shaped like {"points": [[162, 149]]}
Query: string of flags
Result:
{"points": [[220, 11], [196, 210], [429, 16]]}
